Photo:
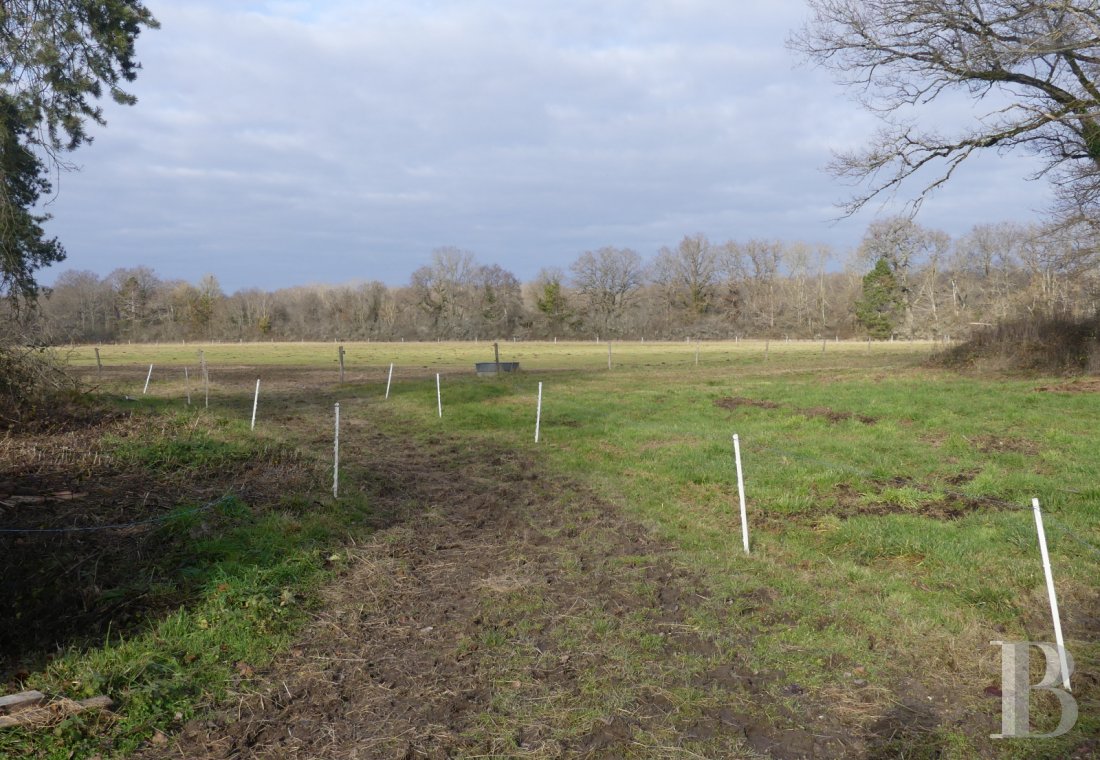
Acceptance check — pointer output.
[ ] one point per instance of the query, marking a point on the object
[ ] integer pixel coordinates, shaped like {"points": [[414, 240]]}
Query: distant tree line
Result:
{"points": [[904, 281]]}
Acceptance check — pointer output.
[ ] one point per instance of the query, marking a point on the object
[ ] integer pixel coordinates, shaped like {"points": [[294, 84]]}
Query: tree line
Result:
{"points": [[904, 280], [1036, 62]]}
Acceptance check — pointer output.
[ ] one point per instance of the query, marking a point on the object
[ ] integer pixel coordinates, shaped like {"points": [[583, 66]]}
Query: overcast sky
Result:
{"points": [[285, 143]]}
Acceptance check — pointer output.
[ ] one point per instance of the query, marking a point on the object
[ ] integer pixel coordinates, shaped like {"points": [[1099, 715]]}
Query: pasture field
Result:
{"points": [[370, 358], [474, 593]]}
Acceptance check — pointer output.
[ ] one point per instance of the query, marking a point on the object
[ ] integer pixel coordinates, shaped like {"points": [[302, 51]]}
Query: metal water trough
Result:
{"points": [[488, 369]]}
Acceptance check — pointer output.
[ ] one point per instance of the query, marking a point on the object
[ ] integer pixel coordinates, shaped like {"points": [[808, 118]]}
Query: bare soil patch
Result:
{"points": [[998, 444], [832, 415], [952, 506], [732, 402]]}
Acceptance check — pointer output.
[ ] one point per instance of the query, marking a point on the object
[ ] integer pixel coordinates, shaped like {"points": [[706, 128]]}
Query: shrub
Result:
{"points": [[1035, 345]]}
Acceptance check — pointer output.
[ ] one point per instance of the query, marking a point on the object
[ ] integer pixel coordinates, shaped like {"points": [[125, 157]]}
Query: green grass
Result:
{"points": [[898, 591], [234, 583], [930, 592], [197, 450]]}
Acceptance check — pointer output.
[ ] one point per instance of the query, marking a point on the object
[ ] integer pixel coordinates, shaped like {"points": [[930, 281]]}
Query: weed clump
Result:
{"points": [[34, 387]]}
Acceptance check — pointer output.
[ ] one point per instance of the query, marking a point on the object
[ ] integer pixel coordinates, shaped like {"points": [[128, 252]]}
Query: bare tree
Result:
{"points": [[373, 312], [134, 291], [1057, 260], [688, 276], [77, 306], [498, 301], [305, 310], [250, 312], [798, 258], [927, 297], [607, 281], [823, 254], [1036, 61], [763, 259], [443, 290], [985, 271], [732, 278]]}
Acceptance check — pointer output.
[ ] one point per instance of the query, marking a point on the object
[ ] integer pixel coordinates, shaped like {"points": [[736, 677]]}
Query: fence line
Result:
{"points": [[993, 500]]}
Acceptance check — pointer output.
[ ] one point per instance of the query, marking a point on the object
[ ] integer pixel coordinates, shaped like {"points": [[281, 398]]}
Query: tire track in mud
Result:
{"points": [[495, 612]]}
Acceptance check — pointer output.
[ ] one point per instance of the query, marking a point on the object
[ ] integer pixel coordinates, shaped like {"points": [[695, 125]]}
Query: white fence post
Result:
{"points": [[336, 456], [147, 378], [741, 492], [538, 414], [205, 377], [438, 396], [255, 403], [1050, 592], [389, 380]]}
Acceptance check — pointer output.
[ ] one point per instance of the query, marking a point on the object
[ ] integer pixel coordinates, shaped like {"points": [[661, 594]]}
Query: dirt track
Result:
{"points": [[490, 618]]}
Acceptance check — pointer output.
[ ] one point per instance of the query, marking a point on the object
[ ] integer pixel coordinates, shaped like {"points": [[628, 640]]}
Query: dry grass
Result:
{"points": [[1058, 346]]}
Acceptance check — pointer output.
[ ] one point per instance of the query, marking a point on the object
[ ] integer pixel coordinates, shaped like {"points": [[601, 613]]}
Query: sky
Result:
{"points": [[286, 143]]}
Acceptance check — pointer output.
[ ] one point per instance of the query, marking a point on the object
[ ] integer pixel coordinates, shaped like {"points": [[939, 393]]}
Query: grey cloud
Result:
{"points": [[276, 143]]}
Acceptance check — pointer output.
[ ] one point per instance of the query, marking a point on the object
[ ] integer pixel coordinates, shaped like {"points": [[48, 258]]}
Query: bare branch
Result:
{"points": [[1043, 56]]}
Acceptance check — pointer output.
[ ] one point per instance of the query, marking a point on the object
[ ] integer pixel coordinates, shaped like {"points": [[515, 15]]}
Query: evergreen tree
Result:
{"points": [[56, 59], [877, 309], [23, 244], [550, 300]]}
